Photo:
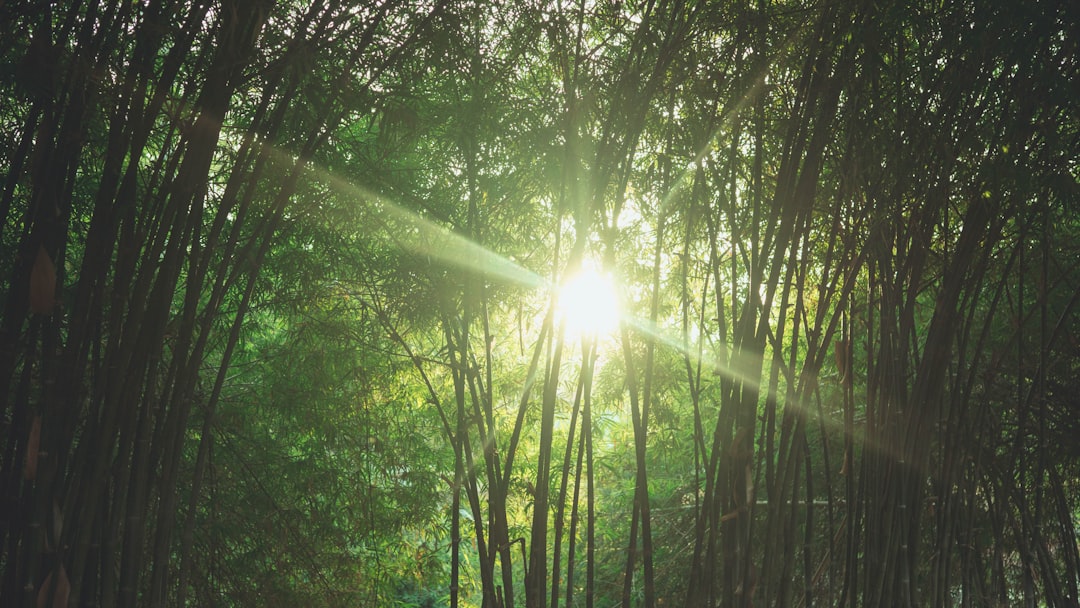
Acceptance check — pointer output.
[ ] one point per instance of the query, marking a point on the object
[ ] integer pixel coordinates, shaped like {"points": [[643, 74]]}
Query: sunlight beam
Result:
{"points": [[423, 236]]}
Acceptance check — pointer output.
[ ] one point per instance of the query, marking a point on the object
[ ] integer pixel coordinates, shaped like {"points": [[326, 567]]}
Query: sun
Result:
{"points": [[589, 304]]}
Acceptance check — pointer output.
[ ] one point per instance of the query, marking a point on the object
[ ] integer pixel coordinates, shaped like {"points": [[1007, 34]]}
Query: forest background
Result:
{"points": [[280, 315]]}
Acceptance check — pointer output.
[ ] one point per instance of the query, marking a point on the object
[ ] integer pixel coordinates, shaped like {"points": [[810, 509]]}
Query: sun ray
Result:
{"points": [[420, 235]]}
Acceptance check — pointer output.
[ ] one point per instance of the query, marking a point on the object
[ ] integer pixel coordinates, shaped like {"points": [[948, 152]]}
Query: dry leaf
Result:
{"points": [[57, 522], [749, 498], [61, 592], [43, 284], [842, 353], [33, 446]]}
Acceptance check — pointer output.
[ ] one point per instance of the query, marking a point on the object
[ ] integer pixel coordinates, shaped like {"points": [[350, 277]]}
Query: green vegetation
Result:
{"points": [[280, 320]]}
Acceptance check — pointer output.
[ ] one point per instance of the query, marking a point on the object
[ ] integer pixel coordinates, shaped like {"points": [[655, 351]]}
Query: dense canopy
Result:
{"points": [[540, 303]]}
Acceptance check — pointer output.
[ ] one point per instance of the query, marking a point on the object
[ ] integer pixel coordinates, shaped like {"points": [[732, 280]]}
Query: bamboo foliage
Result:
{"points": [[843, 375], [165, 261]]}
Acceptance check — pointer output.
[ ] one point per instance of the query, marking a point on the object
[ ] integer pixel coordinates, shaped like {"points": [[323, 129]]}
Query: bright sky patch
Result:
{"points": [[589, 304]]}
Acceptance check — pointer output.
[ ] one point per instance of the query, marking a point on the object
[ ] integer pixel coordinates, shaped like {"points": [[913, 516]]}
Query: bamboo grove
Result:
{"points": [[280, 325]]}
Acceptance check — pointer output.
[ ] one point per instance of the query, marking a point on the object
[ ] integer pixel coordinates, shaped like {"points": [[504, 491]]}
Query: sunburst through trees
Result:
{"points": [[303, 303]]}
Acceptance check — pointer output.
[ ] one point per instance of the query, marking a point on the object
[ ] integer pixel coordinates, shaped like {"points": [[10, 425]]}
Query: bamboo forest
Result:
{"points": [[540, 303]]}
